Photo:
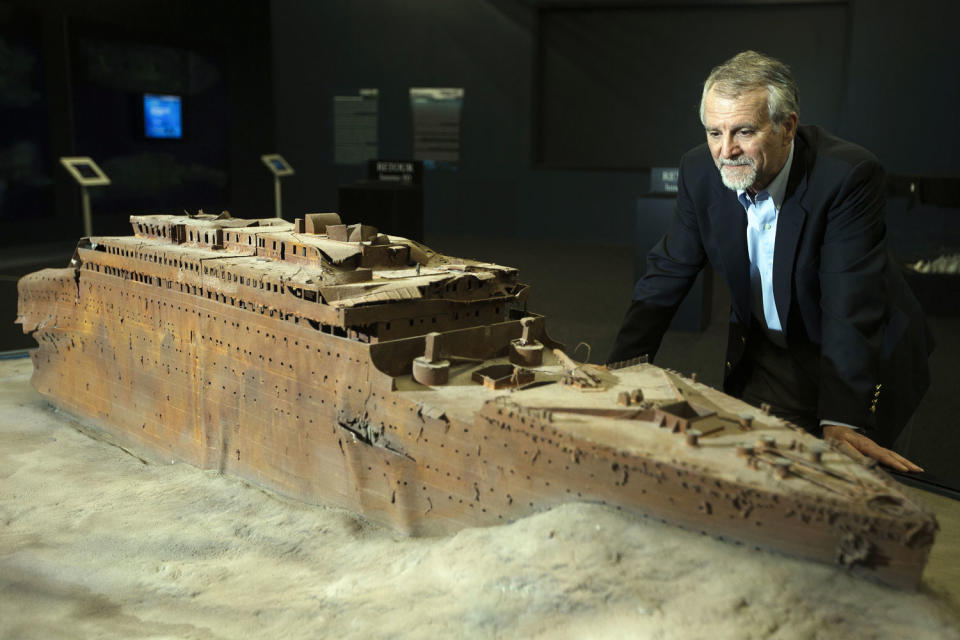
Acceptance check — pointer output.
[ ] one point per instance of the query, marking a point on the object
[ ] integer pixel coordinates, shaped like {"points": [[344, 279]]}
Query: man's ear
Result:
{"points": [[790, 126]]}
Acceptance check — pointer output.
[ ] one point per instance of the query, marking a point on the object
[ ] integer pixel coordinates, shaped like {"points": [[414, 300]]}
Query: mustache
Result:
{"points": [[736, 162]]}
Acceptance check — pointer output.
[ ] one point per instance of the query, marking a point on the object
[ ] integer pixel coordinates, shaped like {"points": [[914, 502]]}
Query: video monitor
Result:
{"points": [[162, 117]]}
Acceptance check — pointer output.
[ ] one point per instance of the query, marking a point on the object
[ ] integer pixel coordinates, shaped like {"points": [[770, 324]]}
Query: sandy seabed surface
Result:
{"points": [[99, 542]]}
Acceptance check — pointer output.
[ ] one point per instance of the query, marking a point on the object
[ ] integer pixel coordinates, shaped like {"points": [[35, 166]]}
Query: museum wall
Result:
{"points": [[894, 90], [74, 77], [259, 77]]}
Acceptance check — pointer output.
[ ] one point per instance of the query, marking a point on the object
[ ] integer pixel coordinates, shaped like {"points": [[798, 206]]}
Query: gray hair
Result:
{"points": [[748, 71]]}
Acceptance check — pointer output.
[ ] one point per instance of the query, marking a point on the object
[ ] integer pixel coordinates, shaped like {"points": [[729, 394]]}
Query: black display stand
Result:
{"points": [[653, 216]]}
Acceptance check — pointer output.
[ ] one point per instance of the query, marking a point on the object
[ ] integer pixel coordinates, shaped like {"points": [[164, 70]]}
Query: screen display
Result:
{"points": [[278, 164], [162, 117], [86, 170]]}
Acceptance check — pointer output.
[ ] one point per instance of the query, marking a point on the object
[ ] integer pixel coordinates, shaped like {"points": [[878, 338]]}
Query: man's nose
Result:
{"points": [[729, 148]]}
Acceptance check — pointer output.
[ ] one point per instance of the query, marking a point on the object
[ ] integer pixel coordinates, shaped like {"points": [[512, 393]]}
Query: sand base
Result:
{"points": [[99, 542]]}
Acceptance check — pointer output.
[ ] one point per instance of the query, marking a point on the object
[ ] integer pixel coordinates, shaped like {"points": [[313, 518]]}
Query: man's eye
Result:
{"points": [[745, 132], [713, 134]]}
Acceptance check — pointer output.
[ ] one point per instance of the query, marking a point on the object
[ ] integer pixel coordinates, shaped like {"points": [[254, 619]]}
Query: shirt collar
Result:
{"points": [[777, 189]]}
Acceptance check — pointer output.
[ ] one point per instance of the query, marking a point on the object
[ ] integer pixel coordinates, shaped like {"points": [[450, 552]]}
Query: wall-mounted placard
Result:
{"points": [[355, 138], [436, 124]]}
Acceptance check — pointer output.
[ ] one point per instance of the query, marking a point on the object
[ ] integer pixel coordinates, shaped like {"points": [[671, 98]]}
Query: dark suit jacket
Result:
{"points": [[838, 293]]}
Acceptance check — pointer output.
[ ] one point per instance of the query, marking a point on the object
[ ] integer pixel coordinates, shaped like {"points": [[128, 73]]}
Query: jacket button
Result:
{"points": [[743, 340], [729, 365]]}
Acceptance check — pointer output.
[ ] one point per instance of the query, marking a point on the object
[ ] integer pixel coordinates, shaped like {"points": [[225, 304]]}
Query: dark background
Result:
{"points": [[71, 77], [567, 103], [894, 90], [567, 106]]}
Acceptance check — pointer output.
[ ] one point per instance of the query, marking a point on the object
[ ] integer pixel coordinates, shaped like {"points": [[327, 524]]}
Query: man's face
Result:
{"points": [[746, 147]]}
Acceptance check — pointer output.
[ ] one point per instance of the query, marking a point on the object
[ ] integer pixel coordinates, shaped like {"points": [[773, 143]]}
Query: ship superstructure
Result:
{"points": [[342, 366], [347, 281]]}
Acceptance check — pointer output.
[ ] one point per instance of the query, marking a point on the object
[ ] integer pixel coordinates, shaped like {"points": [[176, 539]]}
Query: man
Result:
{"points": [[823, 326]]}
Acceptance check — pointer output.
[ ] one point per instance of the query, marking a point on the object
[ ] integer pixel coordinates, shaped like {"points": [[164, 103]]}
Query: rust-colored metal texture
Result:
{"points": [[341, 366]]}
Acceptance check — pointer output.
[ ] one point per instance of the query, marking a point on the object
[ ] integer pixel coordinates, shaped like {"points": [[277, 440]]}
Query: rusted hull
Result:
{"points": [[324, 419]]}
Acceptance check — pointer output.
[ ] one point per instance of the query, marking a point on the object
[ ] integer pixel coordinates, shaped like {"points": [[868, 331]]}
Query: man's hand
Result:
{"points": [[863, 445]]}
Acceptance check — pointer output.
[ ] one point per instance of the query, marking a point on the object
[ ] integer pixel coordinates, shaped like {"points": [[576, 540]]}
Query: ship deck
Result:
{"points": [[594, 415]]}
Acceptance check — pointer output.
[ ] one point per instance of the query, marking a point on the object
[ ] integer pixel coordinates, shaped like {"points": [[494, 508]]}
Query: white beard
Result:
{"points": [[744, 180]]}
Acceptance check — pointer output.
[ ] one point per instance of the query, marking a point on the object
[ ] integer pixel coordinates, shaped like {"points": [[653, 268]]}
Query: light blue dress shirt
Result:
{"points": [[762, 213]]}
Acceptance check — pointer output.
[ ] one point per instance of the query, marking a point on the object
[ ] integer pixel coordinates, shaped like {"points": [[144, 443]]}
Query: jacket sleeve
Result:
{"points": [[853, 300], [672, 268]]}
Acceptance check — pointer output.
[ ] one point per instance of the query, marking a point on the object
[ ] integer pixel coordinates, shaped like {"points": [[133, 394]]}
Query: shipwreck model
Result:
{"points": [[342, 366]]}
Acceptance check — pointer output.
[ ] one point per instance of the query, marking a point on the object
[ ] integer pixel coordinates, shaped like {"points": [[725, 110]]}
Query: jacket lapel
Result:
{"points": [[729, 220], [790, 221]]}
